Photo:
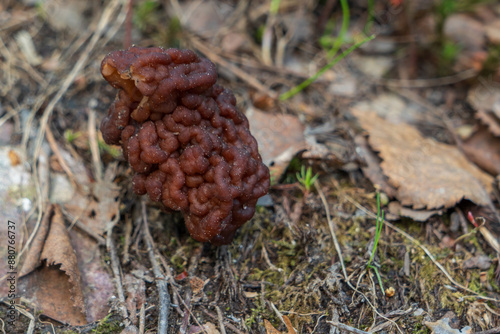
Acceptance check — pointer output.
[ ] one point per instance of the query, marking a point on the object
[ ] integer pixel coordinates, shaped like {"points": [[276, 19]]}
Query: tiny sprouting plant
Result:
{"points": [[70, 135], [305, 178], [378, 232]]}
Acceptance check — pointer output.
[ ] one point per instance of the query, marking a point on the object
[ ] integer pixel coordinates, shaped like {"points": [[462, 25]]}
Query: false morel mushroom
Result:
{"points": [[190, 147]]}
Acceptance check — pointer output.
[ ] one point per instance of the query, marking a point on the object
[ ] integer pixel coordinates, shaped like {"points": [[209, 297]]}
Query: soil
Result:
{"points": [[284, 265]]}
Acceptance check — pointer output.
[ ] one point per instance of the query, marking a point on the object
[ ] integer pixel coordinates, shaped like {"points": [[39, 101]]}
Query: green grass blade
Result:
{"points": [[343, 30], [307, 82]]}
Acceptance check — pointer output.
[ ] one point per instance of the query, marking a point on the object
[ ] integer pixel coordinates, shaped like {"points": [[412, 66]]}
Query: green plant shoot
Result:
{"points": [[378, 231], [307, 82], [305, 178]]}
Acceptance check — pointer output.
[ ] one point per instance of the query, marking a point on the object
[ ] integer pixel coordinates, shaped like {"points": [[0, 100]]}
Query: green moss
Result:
{"points": [[260, 312], [108, 327], [491, 278], [452, 300], [420, 328], [475, 281]]}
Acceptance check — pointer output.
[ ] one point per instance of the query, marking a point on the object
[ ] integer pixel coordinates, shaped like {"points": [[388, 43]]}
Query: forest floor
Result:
{"points": [[404, 108]]}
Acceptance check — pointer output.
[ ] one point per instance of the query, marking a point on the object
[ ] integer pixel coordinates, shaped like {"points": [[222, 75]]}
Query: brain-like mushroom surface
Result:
{"points": [[190, 147]]}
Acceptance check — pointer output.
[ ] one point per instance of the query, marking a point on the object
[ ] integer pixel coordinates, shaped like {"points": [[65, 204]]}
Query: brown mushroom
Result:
{"points": [[190, 147]]}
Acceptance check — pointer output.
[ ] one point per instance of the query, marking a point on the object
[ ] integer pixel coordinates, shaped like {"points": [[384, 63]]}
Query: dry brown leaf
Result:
{"points": [[94, 204], [419, 215], [32, 257], [483, 149], [372, 169], [426, 173], [269, 328], [280, 138], [49, 288], [289, 326], [58, 250], [94, 210], [56, 288], [96, 207]]}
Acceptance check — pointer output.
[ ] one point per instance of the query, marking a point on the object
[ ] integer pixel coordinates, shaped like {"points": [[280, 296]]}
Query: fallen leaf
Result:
{"points": [[372, 168], [426, 173], [32, 258], [280, 138], [269, 328], [288, 325], [482, 148], [94, 205], [443, 327], [418, 215], [56, 287]]}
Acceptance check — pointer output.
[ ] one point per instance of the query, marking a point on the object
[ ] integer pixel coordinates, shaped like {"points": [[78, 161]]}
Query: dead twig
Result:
{"points": [[55, 148], [94, 147], [75, 221], [346, 327], [115, 267], [142, 319], [221, 321], [126, 242], [161, 282]]}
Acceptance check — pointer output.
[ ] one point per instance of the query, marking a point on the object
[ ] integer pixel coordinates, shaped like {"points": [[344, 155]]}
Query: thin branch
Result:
{"points": [[115, 266], [161, 282]]}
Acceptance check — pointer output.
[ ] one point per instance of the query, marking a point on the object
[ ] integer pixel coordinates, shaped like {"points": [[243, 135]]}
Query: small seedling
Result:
{"points": [[305, 178], [70, 136], [378, 232]]}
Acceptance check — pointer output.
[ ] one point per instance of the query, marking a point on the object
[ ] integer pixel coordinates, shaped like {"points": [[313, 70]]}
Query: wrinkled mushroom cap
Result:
{"points": [[190, 147]]}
